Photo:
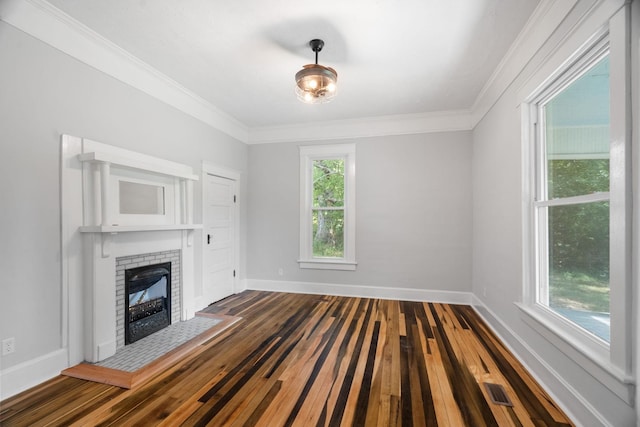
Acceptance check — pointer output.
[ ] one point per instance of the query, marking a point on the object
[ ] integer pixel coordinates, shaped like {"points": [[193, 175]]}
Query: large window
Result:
{"points": [[576, 114], [572, 195], [327, 208]]}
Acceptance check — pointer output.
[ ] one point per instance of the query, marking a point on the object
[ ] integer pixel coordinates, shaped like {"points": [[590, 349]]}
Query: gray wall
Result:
{"points": [[413, 209], [498, 257], [43, 94]]}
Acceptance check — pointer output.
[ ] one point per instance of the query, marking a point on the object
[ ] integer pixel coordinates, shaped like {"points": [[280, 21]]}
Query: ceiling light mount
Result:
{"points": [[315, 83], [316, 46]]}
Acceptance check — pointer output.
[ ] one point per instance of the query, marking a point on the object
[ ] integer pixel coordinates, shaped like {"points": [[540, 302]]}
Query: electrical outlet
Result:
{"points": [[8, 346], [280, 271]]}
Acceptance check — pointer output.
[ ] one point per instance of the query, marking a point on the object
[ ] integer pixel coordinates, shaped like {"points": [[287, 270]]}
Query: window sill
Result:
{"points": [[327, 264], [581, 347]]}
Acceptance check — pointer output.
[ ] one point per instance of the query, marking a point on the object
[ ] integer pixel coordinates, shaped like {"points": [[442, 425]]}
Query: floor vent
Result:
{"points": [[498, 394]]}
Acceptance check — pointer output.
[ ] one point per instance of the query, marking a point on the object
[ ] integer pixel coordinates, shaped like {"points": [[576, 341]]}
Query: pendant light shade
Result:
{"points": [[316, 83]]}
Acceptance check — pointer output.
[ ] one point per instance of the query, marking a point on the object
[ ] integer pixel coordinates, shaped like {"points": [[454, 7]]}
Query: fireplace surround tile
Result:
{"points": [[142, 352], [142, 260]]}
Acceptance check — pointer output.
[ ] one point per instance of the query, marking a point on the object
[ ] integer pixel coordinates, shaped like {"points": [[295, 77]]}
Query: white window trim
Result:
{"points": [[610, 363], [308, 154]]}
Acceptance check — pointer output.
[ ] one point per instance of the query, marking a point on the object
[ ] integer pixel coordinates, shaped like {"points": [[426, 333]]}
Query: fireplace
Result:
{"points": [[147, 300], [101, 240]]}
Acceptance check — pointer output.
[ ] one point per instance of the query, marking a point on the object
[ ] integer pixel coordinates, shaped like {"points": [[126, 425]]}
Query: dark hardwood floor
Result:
{"points": [[311, 360]]}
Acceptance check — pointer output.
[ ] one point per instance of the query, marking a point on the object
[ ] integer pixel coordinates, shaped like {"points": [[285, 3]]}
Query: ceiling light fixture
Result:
{"points": [[316, 84]]}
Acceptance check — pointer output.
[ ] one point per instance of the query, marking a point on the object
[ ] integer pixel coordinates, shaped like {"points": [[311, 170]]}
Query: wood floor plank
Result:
{"points": [[189, 403], [326, 372], [297, 378], [343, 371], [346, 403], [309, 360], [369, 400]]}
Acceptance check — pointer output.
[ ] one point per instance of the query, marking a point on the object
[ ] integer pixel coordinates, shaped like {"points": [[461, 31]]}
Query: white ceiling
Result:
{"points": [[393, 57]]}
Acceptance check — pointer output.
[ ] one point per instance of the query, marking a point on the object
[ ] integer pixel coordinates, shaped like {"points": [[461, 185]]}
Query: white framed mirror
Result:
{"points": [[141, 199]]}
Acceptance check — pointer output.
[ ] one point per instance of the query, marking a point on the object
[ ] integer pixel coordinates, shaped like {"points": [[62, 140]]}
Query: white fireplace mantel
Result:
{"points": [[98, 190], [107, 232], [139, 161], [98, 187], [115, 229], [95, 233]]}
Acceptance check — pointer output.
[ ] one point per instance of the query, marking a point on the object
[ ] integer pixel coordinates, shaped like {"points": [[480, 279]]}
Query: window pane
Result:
{"points": [[328, 183], [579, 264], [577, 177], [328, 233], [577, 135]]}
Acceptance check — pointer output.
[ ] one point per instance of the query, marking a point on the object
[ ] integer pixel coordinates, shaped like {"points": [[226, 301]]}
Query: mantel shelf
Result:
{"points": [[141, 162], [114, 229]]}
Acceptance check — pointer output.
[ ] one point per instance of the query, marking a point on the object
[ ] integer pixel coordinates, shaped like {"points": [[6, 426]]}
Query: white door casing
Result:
{"points": [[219, 238]]}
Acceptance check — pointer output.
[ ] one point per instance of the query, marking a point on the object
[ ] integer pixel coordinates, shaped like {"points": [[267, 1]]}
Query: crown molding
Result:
{"points": [[50, 25], [547, 16], [407, 124]]}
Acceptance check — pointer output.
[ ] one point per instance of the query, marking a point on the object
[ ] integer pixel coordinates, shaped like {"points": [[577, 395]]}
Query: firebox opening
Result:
{"points": [[147, 300]]}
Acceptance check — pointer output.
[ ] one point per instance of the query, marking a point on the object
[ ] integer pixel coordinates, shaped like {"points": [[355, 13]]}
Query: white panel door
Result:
{"points": [[219, 235]]}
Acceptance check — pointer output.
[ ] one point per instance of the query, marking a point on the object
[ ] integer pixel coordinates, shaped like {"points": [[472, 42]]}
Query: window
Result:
{"points": [[327, 207], [572, 196], [577, 195]]}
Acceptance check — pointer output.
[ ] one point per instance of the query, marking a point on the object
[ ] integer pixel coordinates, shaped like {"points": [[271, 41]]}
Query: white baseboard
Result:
{"points": [[28, 374], [241, 285], [199, 303], [559, 390], [403, 294]]}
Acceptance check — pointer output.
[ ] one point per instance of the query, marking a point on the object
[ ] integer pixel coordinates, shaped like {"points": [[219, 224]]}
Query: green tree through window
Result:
{"points": [[579, 237], [328, 208]]}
